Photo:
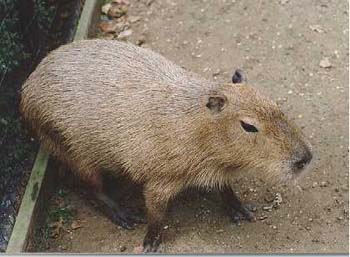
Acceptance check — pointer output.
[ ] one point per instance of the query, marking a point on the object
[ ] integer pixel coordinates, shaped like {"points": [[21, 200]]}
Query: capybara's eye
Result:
{"points": [[248, 127]]}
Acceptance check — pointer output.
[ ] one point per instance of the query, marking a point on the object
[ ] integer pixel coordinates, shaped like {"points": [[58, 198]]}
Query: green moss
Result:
{"points": [[12, 43], [61, 209], [45, 14], [11, 46]]}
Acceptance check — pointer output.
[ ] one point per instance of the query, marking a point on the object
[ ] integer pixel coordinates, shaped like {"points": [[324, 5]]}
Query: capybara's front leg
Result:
{"points": [[156, 205], [234, 207]]}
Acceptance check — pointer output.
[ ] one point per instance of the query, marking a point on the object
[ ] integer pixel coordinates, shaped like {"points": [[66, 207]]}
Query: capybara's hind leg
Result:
{"points": [[234, 207], [121, 216]]}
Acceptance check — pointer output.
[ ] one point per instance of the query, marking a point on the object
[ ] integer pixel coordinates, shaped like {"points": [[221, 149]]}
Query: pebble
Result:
{"points": [[141, 41], [336, 54], [262, 217], [149, 2], [124, 34], [323, 184], [267, 208], [63, 247], [217, 72], [122, 248], [345, 188], [325, 63], [277, 200], [317, 28]]}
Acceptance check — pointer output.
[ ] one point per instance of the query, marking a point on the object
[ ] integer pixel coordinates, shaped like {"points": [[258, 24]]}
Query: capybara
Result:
{"points": [[103, 105]]}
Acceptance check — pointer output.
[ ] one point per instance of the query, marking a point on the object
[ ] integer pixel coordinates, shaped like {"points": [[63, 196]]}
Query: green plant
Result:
{"points": [[12, 50], [45, 14], [11, 46]]}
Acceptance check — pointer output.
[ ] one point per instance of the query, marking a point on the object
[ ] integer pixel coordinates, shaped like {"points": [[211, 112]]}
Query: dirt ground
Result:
{"points": [[280, 44]]}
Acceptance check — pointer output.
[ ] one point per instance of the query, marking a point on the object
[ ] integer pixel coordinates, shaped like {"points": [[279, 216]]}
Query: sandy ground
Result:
{"points": [[280, 45]]}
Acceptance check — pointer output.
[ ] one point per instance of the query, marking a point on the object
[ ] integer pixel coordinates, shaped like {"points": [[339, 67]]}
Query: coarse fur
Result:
{"points": [[103, 105]]}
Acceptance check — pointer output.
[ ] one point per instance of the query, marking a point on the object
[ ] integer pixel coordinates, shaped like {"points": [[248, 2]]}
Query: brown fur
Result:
{"points": [[104, 105]]}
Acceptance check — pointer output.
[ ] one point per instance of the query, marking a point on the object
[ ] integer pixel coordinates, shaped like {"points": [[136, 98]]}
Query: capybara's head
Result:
{"points": [[252, 133]]}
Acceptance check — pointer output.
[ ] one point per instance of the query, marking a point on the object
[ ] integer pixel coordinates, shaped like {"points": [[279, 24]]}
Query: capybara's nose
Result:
{"points": [[303, 161]]}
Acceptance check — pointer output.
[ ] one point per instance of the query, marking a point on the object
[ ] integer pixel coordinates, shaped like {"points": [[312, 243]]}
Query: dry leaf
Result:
{"points": [[121, 2], [106, 8], [138, 249], [76, 225], [109, 26], [56, 228], [117, 11]]}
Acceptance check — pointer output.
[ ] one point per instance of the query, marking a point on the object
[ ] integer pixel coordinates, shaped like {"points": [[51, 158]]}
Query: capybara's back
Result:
{"points": [[98, 104]]}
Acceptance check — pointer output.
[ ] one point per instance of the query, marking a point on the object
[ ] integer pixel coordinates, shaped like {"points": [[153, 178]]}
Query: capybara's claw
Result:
{"points": [[150, 247]]}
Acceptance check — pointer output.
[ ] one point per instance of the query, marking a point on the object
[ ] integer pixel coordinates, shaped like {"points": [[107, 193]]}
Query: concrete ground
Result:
{"points": [[296, 52]]}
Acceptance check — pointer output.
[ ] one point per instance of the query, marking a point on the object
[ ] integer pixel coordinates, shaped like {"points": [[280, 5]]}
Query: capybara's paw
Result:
{"points": [[150, 247], [245, 212], [146, 249], [127, 219]]}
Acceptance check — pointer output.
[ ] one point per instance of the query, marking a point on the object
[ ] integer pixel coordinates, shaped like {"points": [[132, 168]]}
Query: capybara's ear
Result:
{"points": [[216, 102], [239, 77]]}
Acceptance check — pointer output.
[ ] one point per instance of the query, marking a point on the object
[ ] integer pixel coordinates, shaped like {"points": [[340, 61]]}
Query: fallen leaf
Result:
{"points": [[105, 8], [56, 228], [109, 26], [76, 225], [138, 249], [121, 2], [117, 11]]}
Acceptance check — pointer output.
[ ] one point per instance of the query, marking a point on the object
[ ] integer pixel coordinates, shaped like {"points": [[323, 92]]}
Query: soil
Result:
{"points": [[280, 45]]}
